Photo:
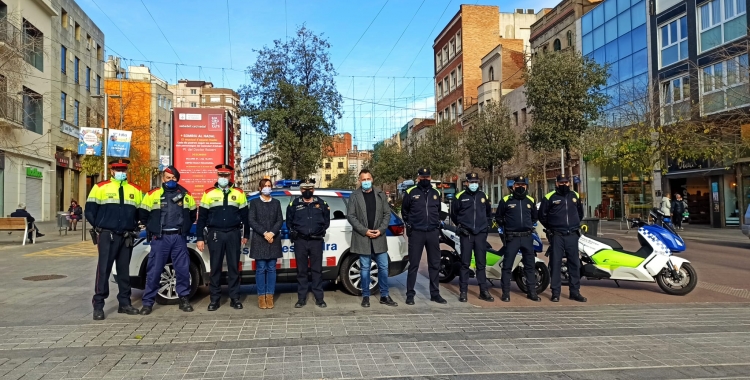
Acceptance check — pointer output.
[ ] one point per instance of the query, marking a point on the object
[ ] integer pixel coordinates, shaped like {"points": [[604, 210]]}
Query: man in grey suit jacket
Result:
{"points": [[369, 214]]}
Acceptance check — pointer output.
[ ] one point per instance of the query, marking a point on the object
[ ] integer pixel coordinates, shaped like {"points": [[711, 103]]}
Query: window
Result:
{"points": [[88, 116], [460, 75], [328, 177], [438, 60], [569, 36], [76, 64], [523, 116], [721, 21], [515, 118], [453, 47], [460, 107], [63, 60], [556, 46], [88, 42], [340, 165], [88, 79], [192, 91], [193, 105], [76, 108], [458, 41], [725, 85], [492, 73], [33, 41], [33, 115], [98, 85], [63, 106], [169, 104], [673, 41], [453, 80], [544, 49], [453, 111], [675, 100], [215, 99], [78, 32], [446, 85], [64, 18], [99, 53]]}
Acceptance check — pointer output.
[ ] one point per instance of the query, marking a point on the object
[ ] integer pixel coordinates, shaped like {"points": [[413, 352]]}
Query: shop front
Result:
{"points": [[711, 192], [614, 193]]}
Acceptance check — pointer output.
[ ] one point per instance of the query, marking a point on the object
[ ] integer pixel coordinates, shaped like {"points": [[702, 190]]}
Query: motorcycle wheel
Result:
{"points": [[542, 278], [448, 266], [686, 283]]}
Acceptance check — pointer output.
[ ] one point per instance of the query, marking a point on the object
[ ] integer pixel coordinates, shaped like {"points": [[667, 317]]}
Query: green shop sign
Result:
{"points": [[34, 173]]}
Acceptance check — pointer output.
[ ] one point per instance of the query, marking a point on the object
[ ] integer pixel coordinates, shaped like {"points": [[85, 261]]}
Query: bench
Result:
{"points": [[17, 224]]}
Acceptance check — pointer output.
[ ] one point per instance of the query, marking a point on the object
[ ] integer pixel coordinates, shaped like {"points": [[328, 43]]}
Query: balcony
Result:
{"points": [[489, 90], [11, 112], [10, 36]]}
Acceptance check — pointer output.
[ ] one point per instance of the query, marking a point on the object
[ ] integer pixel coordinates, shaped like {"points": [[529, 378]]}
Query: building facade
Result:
{"points": [[460, 46], [258, 166], [555, 29]]}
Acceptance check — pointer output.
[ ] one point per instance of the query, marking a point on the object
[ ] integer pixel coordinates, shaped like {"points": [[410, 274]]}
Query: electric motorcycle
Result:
{"points": [[450, 262], [606, 259]]}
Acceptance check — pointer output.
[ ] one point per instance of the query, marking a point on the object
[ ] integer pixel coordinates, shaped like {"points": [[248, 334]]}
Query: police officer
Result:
{"points": [[421, 213], [222, 221], [112, 211], [168, 211], [561, 213], [308, 217], [517, 213], [472, 213]]}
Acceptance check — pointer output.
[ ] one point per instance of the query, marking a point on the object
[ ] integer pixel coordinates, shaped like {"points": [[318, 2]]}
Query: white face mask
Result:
{"points": [[223, 182], [266, 190]]}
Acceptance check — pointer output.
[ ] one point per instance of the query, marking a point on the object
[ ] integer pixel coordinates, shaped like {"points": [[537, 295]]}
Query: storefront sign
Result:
{"points": [[675, 165], [62, 160], [76, 164], [69, 129], [34, 172], [118, 143]]}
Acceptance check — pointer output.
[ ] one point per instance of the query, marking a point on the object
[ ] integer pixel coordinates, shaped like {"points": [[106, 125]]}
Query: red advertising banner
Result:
{"points": [[200, 137]]}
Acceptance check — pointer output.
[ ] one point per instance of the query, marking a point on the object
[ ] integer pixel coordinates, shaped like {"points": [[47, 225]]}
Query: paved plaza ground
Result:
{"points": [[629, 332]]}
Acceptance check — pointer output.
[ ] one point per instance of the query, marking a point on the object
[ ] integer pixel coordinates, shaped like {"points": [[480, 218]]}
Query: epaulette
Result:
{"points": [[136, 186], [505, 198], [549, 195], [459, 194], [238, 189], [410, 189], [153, 190], [102, 183], [209, 189], [530, 198]]}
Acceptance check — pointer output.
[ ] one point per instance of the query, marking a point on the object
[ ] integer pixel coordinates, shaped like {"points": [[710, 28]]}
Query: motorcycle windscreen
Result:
{"points": [[673, 242], [611, 259]]}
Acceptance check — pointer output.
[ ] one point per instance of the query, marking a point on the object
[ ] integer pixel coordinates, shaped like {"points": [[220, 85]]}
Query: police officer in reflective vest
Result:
{"points": [[168, 212], [421, 213], [112, 211], [308, 217], [222, 222], [472, 212], [517, 213], [561, 213]]}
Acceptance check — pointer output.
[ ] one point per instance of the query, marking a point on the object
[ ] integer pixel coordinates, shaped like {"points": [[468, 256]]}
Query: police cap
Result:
{"points": [[521, 180], [472, 177], [562, 178], [173, 171], [119, 163], [308, 183], [224, 169], [423, 172]]}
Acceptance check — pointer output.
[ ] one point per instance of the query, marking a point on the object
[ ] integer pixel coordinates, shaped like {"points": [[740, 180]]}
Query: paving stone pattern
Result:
{"points": [[155, 333]]}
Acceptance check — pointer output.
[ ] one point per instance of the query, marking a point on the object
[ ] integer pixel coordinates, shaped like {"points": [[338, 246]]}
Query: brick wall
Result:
{"points": [[513, 63], [480, 30]]}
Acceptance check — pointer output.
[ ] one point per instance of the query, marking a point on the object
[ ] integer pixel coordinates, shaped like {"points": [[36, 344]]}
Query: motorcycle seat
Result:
{"points": [[643, 252], [610, 242]]}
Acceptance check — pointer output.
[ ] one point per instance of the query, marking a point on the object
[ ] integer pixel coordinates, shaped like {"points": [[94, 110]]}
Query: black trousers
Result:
{"points": [[677, 220], [418, 241], [222, 244], [526, 245], [309, 253], [112, 251], [565, 246], [476, 244]]}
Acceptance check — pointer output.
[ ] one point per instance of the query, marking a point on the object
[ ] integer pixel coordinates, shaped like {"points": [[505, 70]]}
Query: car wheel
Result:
{"points": [[350, 275], [167, 292]]}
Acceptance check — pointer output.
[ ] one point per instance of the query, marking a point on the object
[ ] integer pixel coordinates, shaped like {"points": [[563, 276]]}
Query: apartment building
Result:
{"points": [[202, 94], [258, 166], [140, 102], [458, 50], [555, 29], [335, 160]]}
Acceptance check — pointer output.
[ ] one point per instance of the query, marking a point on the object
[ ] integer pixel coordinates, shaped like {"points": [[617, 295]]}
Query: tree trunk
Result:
{"points": [[544, 173], [492, 184], [500, 184]]}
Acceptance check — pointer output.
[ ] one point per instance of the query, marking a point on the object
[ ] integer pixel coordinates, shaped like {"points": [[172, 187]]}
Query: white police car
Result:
{"points": [[339, 264]]}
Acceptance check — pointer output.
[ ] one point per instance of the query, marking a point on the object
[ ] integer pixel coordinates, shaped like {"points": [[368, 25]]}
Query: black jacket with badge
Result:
{"points": [[517, 213], [308, 220], [421, 208], [472, 211], [150, 210], [561, 211]]}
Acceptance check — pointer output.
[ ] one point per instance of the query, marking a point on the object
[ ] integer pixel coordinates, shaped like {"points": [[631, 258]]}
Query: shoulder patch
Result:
{"points": [[136, 186], [530, 198], [155, 189], [102, 183], [410, 189], [505, 198], [549, 195]]}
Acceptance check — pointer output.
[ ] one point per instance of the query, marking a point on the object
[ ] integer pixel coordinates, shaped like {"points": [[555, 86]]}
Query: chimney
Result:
{"points": [[518, 10], [530, 11]]}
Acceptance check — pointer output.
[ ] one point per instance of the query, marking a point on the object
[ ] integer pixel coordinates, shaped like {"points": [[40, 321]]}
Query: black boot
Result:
{"points": [[98, 315], [146, 310], [463, 297], [365, 301], [129, 310], [235, 304], [185, 305], [486, 296]]}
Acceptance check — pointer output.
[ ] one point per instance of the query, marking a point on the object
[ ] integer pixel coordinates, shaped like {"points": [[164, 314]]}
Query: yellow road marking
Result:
{"points": [[82, 249]]}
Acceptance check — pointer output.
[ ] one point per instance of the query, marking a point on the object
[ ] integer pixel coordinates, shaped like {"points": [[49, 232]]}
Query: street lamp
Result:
{"points": [[105, 137]]}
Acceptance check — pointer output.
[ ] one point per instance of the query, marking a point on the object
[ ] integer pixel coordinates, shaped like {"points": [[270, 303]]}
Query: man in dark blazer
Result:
{"points": [[369, 214]]}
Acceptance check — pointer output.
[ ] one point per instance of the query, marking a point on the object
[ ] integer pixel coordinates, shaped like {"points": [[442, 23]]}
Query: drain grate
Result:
{"points": [[44, 277]]}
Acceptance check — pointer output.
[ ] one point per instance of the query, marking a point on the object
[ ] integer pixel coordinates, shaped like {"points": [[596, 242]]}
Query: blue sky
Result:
{"points": [[199, 34]]}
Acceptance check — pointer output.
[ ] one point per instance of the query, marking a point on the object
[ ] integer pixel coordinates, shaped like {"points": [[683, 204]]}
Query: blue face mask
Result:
{"points": [[171, 184], [473, 186], [121, 176], [366, 185]]}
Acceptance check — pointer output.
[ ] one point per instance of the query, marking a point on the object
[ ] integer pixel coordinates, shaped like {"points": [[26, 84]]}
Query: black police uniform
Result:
{"points": [[307, 223], [561, 213], [472, 212], [517, 214], [421, 213]]}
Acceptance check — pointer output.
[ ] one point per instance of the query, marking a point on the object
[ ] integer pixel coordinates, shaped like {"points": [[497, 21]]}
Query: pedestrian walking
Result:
{"points": [[677, 211], [168, 212], [472, 214], [369, 214], [308, 217], [517, 213], [112, 212], [421, 213], [561, 213], [265, 220], [222, 222]]}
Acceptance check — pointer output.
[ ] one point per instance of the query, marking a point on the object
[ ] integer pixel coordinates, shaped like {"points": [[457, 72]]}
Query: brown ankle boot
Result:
{"points": [[269, 301], [262, 302]]}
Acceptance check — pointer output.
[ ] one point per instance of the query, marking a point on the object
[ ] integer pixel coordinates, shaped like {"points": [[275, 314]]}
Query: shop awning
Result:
{"points": [[699, 172]]}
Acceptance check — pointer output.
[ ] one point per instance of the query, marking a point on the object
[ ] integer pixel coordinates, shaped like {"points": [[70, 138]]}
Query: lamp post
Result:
{"points": [[105, 137]]}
